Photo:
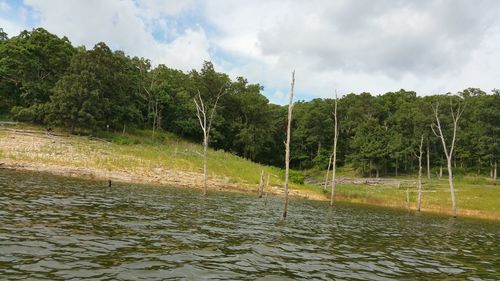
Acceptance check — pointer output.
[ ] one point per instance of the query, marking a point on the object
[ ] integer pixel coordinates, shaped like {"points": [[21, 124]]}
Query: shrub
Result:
{"points": [[124, 140], [294, 176]]}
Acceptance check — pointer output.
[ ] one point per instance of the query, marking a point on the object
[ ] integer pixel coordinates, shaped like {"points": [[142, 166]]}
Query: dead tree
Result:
{"points": [[495, 171], [455, 114], [205, 117], [261, 184], [334, 161], [419, 182], [428, 155], [328, 171], [287, 144]]}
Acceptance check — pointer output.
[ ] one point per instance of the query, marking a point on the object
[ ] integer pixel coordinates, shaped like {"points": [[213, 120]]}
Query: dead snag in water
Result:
{"points": [[419, 184], [455, 114], [261, 184], [328, 171], [205, 117], [287, 144], [334, 161]]}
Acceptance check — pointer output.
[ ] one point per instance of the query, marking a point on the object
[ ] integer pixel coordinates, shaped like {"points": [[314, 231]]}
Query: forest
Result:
{"points": [[46, 80]]}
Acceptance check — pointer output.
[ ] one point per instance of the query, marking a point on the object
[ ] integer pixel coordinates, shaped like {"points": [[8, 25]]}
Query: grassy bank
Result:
{"points": [[135, 157], [169, 160], [477, 196]]}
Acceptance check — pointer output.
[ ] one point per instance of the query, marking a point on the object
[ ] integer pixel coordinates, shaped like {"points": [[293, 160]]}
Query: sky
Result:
{"points": [[356, 46]]}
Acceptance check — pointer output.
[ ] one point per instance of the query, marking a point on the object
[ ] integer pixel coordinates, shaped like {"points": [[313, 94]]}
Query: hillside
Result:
{"points": [[137, 157]]}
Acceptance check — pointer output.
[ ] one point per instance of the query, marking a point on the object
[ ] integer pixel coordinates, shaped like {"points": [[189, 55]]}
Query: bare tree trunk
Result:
{"points": [[328, 172], [206, 124], [495, 171], [396, 167], [428, 154], [287, 144], [419, 200], [376, 169], [334, 162], [441, 168], [261, 184], [205, 174], [452, 190], [448, 152]]}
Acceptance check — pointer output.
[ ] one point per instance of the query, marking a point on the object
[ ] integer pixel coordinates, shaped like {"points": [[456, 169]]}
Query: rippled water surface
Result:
{"points": [[54, 228]]}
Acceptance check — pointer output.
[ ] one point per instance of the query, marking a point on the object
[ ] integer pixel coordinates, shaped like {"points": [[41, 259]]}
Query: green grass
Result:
{"points": [[175, 153], [475, 196]]}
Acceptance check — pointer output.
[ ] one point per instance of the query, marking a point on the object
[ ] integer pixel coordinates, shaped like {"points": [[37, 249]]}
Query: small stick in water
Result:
{"points": [[109, 183]]}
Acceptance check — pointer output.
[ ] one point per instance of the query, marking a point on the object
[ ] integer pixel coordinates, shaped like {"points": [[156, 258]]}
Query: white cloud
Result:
{"points": [[9, 27], [186, 52], [352, 46], [120, 24], [4, 7], [157, 8], [376, 46]]}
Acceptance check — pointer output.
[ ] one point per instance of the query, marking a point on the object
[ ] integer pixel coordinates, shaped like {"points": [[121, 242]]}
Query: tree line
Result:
{"points": [[46, 80]]}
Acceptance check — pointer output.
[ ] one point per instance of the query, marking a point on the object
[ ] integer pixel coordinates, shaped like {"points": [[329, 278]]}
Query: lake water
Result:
{"points": [[55, 228]]}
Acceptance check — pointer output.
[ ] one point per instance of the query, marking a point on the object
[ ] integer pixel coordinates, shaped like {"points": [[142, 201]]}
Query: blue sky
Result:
{"points": [[352, 46]]}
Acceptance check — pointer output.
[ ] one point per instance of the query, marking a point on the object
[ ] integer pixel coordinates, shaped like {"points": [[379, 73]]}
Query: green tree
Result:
{"points": [[100, 88], [30, 65]]}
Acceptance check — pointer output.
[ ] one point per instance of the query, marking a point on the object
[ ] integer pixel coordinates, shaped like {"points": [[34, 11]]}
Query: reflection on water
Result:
{"points": [[55, 228]]}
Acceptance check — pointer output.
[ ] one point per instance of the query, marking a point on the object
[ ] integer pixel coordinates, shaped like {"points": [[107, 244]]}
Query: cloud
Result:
{"points": [[4, 7], [352, 46], [10, 28], [122, 25], [372, 46]]}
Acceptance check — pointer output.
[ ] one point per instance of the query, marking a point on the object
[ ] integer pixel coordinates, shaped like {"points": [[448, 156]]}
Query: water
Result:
{"points": [[55, 228]]}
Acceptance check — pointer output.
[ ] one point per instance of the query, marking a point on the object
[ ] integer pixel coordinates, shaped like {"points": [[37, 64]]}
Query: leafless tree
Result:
{"points": [[328, 171], [205, 117], [287, 144], [455, 114], [494, 171], [428, 155], [419, 182], [261, 184], [334, 160]]}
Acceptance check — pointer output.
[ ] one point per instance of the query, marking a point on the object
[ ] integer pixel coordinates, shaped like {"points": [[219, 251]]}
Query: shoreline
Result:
{"points": [[244, 189], [176, 182], [79, 157]]}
